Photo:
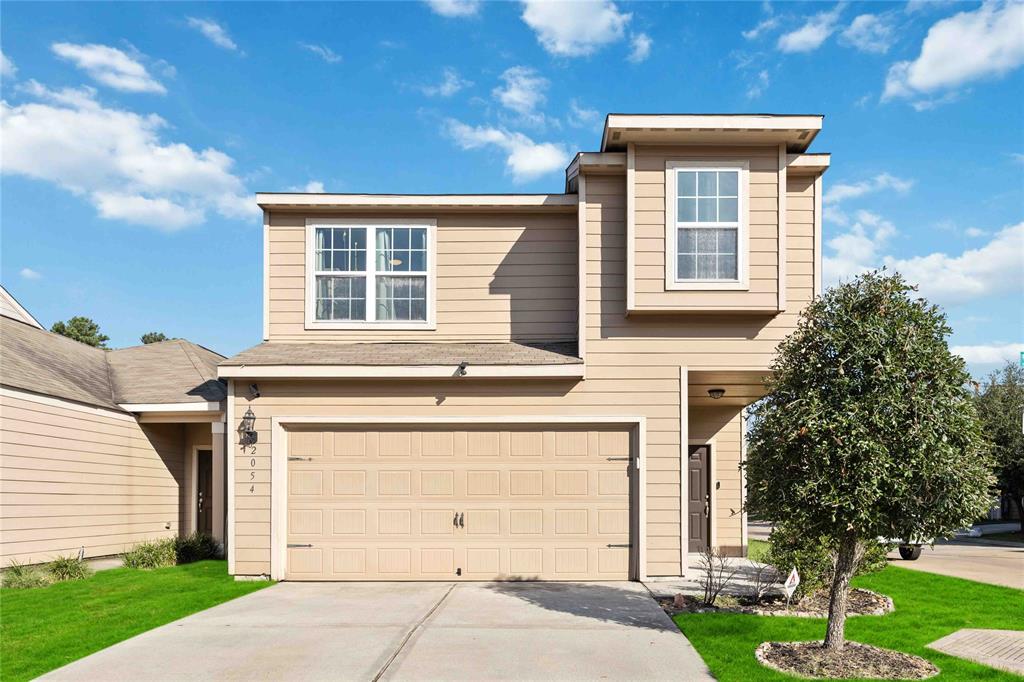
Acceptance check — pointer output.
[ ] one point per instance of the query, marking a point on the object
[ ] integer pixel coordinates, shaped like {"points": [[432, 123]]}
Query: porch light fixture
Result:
{"points": [[247, 429], [716, 393]]}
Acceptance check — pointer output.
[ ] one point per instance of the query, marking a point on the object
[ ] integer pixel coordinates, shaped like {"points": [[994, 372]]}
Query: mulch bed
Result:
{"points": [[810, 660], [860, 602]]}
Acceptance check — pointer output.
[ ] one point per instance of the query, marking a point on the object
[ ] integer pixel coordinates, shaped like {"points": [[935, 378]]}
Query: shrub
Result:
{"points": [[19, 576], [195, 547], [152, 554], [68, 568], [814, 558]]}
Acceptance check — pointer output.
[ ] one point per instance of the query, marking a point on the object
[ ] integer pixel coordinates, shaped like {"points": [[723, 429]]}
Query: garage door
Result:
{"points": [[451, 504]]}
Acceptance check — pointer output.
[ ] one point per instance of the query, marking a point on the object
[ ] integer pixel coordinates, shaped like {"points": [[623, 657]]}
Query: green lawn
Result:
{"points": [[757, 549], [46, 627], [1004, 537], [928, 606]]}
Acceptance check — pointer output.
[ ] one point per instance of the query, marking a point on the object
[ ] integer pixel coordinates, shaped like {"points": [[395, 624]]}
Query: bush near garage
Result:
{"points": [[171, 551]]}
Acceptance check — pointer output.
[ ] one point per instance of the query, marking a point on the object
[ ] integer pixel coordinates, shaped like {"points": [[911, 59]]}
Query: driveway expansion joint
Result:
{"points": [[412, 631]]}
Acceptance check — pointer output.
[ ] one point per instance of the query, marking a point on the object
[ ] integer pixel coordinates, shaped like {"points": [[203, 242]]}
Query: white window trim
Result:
{"points": [[672, 167], [371, 264]]}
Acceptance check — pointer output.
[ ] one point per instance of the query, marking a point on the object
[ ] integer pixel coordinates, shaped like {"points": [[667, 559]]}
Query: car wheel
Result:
{"points": [[910, 552]]}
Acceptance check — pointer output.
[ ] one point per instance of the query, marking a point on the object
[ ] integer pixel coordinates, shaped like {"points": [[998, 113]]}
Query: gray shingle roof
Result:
{"points": [[175, 371], [372, 354]]}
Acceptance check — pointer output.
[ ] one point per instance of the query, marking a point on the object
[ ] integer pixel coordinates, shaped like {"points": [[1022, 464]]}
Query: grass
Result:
{"points": [[757, 549], [45, 628], [928, 606]]}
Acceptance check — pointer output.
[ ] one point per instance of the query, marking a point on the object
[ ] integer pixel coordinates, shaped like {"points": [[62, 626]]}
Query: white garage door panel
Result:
{"points": [[438, 504]]}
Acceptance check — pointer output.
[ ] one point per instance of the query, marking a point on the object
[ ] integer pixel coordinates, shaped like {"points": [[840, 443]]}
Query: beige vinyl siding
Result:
{"points": [[649, 230], [84, 477], [800, 257], [499, 278], [632, 370]]}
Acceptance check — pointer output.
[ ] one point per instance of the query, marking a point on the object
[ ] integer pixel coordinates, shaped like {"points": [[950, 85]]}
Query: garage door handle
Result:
{"points": [[291, 546], [462, 520]]}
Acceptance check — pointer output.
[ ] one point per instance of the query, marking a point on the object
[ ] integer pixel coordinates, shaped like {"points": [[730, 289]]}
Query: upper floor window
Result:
{"points": [[369, 273], [706, 226]]}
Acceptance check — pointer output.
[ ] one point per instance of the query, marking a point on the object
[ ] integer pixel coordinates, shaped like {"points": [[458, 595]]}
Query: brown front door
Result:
{"points": [[204, 486], [699, 497]]}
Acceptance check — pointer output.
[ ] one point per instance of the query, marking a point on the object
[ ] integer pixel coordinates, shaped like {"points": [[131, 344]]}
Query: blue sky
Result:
{"points": [[135, 134]]}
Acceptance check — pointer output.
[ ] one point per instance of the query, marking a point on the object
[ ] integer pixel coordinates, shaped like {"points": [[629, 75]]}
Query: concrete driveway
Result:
{"points": [[980, 560], [411, 631]]}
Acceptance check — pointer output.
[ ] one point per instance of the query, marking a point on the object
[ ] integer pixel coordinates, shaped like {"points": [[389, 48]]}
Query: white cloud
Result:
{"points": [[760, 84], [29, 273], [311, 187], [969, 46], [523, 91], [325, 53], [640, 44], [813, 33], [109, 66], [1017, 157], [451, 83], [525, 160], [994, 354], [455, 8], [991, 269], [582, 117], [870, 33], [116, 159], [7, 67], [575, 29], [214, 32], [764, 26], [858, 249], [975, 232], [842, 191]]}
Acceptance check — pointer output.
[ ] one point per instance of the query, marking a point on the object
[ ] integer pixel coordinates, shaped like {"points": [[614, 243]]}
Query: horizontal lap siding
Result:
{"points": [[800, 226], [71, 479], [649, 229], [499, 278]]}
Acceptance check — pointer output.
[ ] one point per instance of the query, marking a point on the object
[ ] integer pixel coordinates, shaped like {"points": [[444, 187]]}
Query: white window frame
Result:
{"points": [[371, 273], [672, 169]]}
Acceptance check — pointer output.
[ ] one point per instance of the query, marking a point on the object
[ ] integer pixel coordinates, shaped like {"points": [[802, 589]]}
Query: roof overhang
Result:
{"points": [[419, 202], [204, 411], [796, 131], [555, 371], [813, 164]]}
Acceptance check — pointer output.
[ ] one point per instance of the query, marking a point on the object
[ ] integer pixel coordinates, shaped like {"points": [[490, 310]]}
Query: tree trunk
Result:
{"points": [[1018, 502], [846, 564]]}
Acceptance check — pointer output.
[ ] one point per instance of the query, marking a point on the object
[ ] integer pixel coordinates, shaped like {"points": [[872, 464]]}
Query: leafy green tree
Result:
{"points": [[868, 430], [81, 329], [153, 337], [1000, 403]]}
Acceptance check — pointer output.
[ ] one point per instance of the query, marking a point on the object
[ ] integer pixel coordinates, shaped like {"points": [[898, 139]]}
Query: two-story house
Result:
{"points": [[540, 386]]}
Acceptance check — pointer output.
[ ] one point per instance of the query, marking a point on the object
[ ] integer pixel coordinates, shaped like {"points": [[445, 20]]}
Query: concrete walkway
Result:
{"points": [[1003, 649], [411, 631]]}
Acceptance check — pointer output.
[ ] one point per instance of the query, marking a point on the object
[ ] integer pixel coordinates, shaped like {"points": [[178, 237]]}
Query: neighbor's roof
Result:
{"points": [[10, 307], [36, 360], [406, 354], [795, 130], [178, 371]]}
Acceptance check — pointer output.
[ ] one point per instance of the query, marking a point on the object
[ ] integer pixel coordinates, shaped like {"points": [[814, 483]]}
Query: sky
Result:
{"points": [[133, 136]]}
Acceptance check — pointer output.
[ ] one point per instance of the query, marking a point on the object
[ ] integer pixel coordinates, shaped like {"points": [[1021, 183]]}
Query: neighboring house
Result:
{"points": [[544, 386], [103, 449]]}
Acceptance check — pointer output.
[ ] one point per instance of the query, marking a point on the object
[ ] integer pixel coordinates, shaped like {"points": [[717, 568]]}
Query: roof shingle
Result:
{"points": [[406, 354]]}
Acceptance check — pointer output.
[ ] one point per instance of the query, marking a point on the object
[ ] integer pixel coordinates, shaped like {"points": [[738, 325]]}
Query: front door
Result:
{"points": [[699, 498], [204, 491]]}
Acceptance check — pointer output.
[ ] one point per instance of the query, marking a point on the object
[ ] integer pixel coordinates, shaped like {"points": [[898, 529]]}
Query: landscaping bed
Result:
{"points": [[856, 661], [861, 602], [928, 607]]}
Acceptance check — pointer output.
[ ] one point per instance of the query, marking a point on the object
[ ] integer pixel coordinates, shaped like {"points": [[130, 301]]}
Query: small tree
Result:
{"points": [[153, 337], [867, 429], [999, 406], [81, 329]]}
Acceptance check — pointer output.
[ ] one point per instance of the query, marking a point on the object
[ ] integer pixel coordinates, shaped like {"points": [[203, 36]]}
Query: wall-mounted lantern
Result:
{"points": [[716, 393], [247, 429]]}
